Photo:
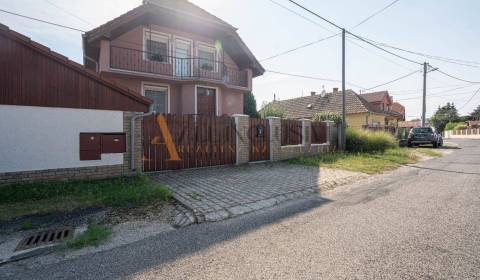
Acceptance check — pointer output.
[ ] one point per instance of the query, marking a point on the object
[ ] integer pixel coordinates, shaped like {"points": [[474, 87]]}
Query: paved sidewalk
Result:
{"points": [[213, 194]]}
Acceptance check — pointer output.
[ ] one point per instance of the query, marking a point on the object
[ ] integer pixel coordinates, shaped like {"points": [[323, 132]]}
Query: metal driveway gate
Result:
{"points": [[187, 141]]}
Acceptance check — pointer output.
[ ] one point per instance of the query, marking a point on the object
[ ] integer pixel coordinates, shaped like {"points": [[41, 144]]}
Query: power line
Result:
{"points": [[375, 14], [300, 15], [311, 77], [392, 81], [299, 47], [316, 23], [444, 59], [69, 13], [356, 36], [466, 103], [43, 21], [456, 78]]}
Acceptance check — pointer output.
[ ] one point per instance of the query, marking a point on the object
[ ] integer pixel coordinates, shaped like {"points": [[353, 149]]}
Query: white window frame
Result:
{"points": [[208, 48], [156, 86], [174, 49], [217, 94], [159, 37]]}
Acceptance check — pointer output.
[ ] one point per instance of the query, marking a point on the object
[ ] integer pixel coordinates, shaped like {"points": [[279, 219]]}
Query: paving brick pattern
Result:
{"points": [[218, 193]]}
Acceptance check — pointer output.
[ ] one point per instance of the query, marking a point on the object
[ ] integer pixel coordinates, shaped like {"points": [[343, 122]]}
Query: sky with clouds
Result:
{"points": [[447, 28]]}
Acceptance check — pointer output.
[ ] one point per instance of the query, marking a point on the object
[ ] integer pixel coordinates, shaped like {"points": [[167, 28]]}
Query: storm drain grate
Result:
{"points": [[44, 238]]}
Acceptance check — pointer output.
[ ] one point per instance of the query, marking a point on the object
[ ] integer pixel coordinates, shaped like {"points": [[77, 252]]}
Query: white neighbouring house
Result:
{"points": [[59, 120]]}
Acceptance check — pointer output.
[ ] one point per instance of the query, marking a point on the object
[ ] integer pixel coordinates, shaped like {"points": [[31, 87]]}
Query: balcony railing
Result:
{"points": [[179, 68]]}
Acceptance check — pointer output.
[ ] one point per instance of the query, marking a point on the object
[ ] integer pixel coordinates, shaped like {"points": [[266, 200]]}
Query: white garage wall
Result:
{"points": [[38, 138]]}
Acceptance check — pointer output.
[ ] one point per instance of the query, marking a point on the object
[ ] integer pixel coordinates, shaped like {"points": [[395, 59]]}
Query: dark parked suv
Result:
{"points": [[424, 135]]}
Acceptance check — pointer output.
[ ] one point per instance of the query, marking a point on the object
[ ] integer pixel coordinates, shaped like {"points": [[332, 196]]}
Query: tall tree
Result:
{"points": [[250, 105], [475, 115], [444, 115]]}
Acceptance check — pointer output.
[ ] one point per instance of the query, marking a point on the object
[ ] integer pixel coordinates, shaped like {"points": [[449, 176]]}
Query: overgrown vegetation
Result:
{"points": [[93, 236], [360, 141], [48, 197], [455, 125], [327, 116], [273, 110], [370, 163], [368, 152]]}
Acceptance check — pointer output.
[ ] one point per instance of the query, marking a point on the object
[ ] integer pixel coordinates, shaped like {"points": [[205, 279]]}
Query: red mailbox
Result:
{"points": [[113, 143]]}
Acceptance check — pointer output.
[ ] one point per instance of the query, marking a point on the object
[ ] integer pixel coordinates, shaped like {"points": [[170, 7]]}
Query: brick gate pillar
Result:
{"points": [[242, 141], [275, 137]]}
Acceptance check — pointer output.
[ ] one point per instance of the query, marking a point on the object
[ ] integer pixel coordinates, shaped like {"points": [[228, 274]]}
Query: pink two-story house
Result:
{"points": [[184, 59]]}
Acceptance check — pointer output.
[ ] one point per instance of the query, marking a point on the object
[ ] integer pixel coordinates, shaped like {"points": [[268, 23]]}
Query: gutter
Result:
{"points": [[132, 136], [85, 57]]}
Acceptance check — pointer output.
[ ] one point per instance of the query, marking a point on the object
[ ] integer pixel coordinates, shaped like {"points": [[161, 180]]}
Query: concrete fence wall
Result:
{"points": [[279, 152], [470, 133]]}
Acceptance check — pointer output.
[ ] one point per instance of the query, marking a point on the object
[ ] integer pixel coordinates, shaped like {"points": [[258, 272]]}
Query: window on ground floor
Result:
{"points": [[159, 97]]}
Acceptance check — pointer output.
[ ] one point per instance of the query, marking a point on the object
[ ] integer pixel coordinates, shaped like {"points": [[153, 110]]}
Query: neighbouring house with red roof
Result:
{"points": [[184, 59], [382, 101], [360, 112]]}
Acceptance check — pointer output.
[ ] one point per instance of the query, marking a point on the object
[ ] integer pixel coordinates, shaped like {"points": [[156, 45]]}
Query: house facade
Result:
{"points": [[383, 102], [184, 59]]}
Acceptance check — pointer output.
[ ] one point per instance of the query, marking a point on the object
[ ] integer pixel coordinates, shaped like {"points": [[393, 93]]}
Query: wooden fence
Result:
{"points": [[319, 132], [199, 140], [291, 132], [259, 136]]}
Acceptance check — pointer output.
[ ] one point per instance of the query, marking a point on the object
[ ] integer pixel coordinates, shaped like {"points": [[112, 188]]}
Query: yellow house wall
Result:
{"points": [[360, 119]]}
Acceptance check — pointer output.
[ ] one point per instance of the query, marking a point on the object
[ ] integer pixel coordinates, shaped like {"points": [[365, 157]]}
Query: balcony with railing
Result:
{"points": [[191, 68]]}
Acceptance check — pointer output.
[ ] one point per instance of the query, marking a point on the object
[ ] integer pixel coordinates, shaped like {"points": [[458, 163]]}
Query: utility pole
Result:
{"points": [[344, 122], [424, 106]]}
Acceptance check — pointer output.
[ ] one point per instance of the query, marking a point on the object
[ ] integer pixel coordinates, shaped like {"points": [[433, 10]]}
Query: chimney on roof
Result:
{"points": [[335, 89], [312, 93]]}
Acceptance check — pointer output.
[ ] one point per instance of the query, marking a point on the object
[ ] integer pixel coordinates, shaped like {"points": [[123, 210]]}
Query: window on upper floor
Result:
{"points": [[156, 47], [207, 58]]}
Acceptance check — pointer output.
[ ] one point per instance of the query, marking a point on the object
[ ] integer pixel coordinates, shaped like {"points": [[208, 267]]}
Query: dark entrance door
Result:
{"points": [[206, 101], [259, 134]]}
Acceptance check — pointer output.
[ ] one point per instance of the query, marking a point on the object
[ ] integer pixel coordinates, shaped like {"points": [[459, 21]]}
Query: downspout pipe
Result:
{"points": [[132, 135]]}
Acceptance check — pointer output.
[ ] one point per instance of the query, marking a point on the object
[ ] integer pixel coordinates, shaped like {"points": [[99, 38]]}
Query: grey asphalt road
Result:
{"points": [[419, 222]]}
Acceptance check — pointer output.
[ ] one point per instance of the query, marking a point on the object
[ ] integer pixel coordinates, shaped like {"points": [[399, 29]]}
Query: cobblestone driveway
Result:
{"points": [[217, 193]]}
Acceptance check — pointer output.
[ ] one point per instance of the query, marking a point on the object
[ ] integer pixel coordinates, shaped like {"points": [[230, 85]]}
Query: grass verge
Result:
{"points": [[93, 236], [428, 152], [49, 197], [369, 163]]}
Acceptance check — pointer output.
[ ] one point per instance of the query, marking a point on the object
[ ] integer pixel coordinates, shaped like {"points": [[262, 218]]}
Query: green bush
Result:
{"points": [[273, 110], [367, 141], [327, 116], [452, 125], [461, 126]]}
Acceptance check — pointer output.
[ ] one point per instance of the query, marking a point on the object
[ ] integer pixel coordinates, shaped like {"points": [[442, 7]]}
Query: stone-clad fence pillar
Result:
{"points": [[242, 139]]}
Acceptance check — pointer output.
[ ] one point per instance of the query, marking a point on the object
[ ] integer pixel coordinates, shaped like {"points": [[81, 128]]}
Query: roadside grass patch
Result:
{"points": [[93, 236], [428, 152], [26, 225], [369, 163], [49, 197]]}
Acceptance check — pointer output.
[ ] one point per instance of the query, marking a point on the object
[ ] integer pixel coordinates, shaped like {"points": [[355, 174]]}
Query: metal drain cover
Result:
{"points": [[44, 238]]}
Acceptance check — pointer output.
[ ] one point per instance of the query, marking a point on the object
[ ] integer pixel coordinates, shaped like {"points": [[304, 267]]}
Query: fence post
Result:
{"points": [[275, 137], [242, 145], [306, 135]]}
